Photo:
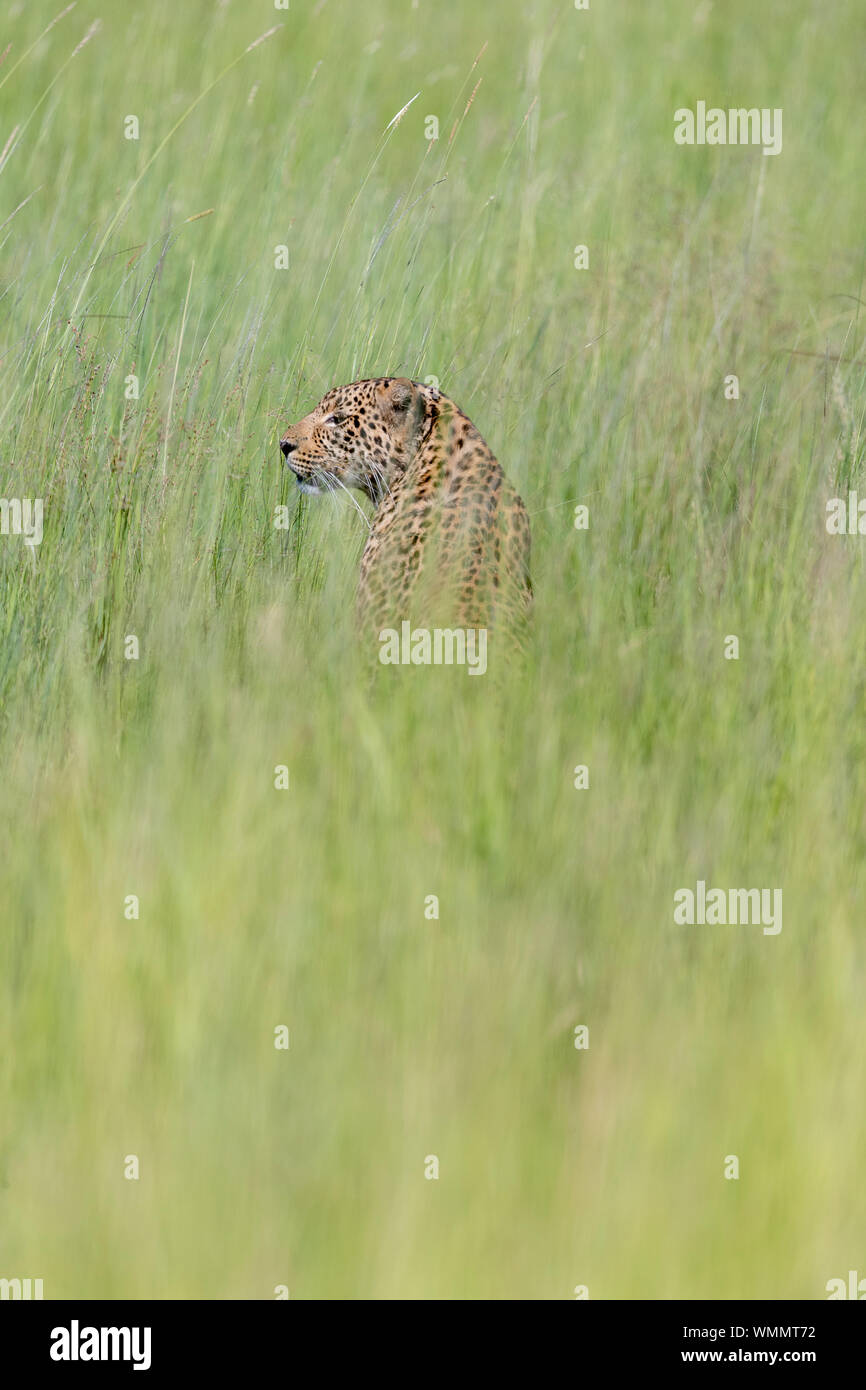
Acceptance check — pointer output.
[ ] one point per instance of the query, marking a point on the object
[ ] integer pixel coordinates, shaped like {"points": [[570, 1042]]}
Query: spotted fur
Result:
{"points": [[449, 538]]}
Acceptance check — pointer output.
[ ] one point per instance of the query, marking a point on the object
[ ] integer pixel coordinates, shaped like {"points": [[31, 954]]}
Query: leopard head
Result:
{"points": [[363, 435]]}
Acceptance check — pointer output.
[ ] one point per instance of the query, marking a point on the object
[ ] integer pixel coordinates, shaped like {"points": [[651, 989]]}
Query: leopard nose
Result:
{"points": [[287, 447]]}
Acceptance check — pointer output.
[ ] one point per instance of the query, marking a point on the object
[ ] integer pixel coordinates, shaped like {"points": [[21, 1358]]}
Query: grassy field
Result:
{"points": [[412, 1035]]}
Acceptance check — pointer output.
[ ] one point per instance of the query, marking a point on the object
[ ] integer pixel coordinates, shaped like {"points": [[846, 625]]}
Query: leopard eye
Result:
{"points": [[334, 420]]}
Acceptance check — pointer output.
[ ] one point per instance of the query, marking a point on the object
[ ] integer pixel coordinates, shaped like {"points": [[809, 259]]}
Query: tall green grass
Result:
{"points": [[155, 777]]}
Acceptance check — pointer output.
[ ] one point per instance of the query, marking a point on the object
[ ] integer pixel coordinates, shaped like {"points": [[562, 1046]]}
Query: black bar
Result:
{"points": [[220, 1338]]}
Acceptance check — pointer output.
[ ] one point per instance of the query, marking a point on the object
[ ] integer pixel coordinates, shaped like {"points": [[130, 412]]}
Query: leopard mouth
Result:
{"points": [[306, 484]]}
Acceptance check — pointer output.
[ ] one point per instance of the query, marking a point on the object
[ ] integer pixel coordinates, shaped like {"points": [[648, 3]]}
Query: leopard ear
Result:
{"points": [[400, 394]]}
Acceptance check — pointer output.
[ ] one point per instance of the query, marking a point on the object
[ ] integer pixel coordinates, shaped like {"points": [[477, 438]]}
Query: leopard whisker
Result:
{"points": [[378, 473], [353, 501]]}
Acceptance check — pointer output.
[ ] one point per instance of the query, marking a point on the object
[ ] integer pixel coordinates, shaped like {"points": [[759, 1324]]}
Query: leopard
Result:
{"points": [[449, 535]]}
